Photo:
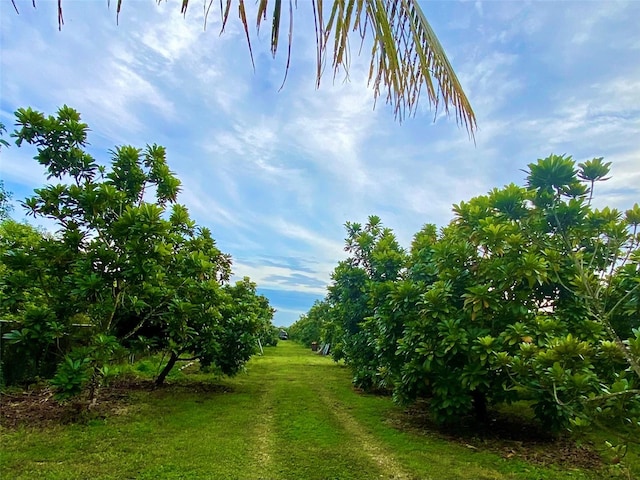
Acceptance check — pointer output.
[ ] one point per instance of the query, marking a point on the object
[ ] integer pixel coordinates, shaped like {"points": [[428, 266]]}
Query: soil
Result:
{"points": [[510, 437], [37, 407]]}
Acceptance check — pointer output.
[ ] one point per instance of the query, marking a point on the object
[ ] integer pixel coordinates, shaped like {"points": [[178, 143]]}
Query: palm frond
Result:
{"points": [[406, 55]]}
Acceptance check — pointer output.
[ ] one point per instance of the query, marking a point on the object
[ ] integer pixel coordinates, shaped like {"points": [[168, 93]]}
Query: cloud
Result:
{"points": [[296, 280], [281, 279], [290, 304], [294, 263], [18, 167], [172, 37]]}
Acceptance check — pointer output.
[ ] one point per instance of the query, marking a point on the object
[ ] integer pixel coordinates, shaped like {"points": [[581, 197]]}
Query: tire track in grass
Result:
{"points": [[387, 463], [264, 442]]}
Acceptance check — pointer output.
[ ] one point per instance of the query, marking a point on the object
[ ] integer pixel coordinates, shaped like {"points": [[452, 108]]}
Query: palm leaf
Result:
{"points": [[406, 55]]}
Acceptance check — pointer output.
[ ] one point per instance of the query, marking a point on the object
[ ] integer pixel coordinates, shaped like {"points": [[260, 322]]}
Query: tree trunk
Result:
{"points": [[480, 406], [167, 368], [94, 386]]}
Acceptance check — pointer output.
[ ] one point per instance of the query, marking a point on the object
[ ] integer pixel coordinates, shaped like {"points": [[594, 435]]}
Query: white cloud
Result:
{"points": [[18, 167], [327, 247], [115, 97], [331, 129], [270, 277], [170, 36]]}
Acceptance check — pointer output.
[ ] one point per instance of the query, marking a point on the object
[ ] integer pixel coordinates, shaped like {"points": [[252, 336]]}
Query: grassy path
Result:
{"points": [[300, 435], [366, 441], [293, 415]]}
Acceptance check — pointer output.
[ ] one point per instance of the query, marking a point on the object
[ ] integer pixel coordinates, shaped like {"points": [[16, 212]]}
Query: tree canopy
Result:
{"points": [[127, 270], [529, 294]]}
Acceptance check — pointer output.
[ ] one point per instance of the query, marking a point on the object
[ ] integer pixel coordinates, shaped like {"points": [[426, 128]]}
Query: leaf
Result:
{"points": [[632, 216], [275, 27], [225, 14], [60, 18], [286, 71], [243, 18], [594, 170]]}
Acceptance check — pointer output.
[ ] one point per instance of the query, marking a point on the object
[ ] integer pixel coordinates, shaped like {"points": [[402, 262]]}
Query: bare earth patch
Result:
{"points": [[37, 407], [508, 437]]}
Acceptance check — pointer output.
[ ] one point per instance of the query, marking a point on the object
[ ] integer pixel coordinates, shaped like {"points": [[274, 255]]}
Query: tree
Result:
{"points": [[127, 268], [357, 294], [406, 56], [5, 196], [310, 328], [5, 206], [32, 350], [510, 320], [528, 294]]}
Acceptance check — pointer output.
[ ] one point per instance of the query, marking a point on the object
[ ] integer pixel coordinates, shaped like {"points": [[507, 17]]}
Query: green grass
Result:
{"points": [[293, 415]]}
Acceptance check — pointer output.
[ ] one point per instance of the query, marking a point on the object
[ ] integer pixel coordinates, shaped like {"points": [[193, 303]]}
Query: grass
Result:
{"points": [[293, 415]]}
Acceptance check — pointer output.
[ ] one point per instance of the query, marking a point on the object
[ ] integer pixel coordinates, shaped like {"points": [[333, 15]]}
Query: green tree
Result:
{"points": [[528, 294], [407, 58], [32, 339], [127, 265], [506, 318], [311, 327], [5, 198], [359, 289]]}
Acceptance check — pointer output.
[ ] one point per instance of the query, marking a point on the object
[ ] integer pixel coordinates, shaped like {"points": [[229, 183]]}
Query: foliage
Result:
{"points": [[244, 316], [3, 142], [523, 296], [32, 338], [310, 327], [358, 293], [127, 265], [5, 206], [407, 58], [268, 336], [85, 366]]}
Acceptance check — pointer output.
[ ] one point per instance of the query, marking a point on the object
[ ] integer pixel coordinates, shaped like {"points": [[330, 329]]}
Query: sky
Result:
{"points": [[275, 173]]}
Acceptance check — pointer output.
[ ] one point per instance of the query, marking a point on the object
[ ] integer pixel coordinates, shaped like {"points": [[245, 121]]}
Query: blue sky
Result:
{"points": [[276, 174]]}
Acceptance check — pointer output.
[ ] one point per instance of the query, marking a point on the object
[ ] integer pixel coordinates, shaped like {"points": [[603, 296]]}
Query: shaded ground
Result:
{"points": [[37, 407], [509, 436]]}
